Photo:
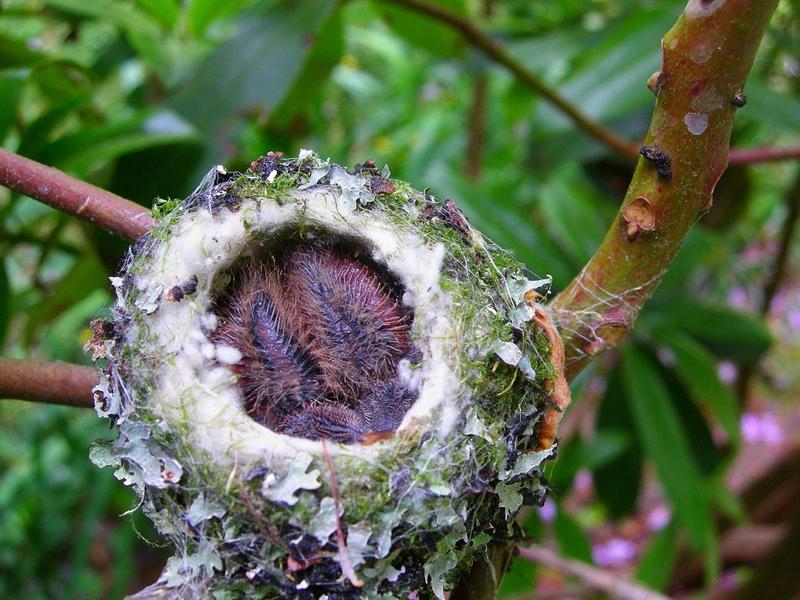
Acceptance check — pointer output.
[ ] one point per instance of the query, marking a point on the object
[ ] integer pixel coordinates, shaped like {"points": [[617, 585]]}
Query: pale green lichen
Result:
{"points": [[252, 513]]}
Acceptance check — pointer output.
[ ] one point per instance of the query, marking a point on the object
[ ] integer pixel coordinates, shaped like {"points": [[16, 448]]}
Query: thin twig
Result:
{"points": [[496, 52], [476, 128], [84, 200], [748, 156], [344, 559], [563, 593], [788, 231], [53, 383], [614, 585]]}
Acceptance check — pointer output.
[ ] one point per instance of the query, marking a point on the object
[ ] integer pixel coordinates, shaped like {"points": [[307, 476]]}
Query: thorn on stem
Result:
{"points": [[638, 216]]}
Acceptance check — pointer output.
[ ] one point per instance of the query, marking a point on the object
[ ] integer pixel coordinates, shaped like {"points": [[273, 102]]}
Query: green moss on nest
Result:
{"points": [[256, 519]]}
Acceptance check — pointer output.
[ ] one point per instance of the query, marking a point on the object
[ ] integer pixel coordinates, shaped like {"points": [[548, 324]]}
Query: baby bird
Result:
{"points": [[320, 339], [348, 321]]}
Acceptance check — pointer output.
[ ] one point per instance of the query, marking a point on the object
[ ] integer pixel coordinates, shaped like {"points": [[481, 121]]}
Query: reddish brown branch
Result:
{"points": [[781, 264], [747, 156], [51, 186], [53, 383], [685, 154], [616, 586], [476, 127]]}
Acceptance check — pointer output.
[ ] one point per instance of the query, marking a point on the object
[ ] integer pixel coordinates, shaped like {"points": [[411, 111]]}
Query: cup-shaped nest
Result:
{"points": [[324, 383]]}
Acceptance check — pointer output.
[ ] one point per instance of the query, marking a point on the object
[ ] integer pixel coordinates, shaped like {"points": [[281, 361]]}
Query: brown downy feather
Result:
{"points": [[350, 322]]}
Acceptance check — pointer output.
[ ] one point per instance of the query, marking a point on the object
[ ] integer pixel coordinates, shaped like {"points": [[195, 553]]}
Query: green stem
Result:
{"points": [[706, 58]]}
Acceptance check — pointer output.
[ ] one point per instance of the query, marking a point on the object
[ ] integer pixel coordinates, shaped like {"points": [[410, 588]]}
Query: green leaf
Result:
{"points": [[572, 213], [202, 13], [727, 332], [604, 448], [143, 32], [698, 373], [38, 135], [609, 81], [5, 301], [11, 85], [91, 145], [655, 565], [165, 11], [15, 53], [424, 32], [618, 481], [123, 15], [308, 85], [572, 540], [780, 111], [255, 68], [85, 276], [661, 435]]}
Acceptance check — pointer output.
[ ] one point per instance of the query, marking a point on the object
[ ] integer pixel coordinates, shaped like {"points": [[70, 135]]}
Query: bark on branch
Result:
{"points": [[685, 153], [52, 383], [84, 200]]}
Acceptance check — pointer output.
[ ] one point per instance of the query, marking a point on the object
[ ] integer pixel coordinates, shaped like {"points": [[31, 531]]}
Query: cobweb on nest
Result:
{"points": [[601, 322]]}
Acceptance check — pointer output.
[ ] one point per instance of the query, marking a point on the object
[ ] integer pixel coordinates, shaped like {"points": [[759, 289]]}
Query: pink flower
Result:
{"points": [[727, 372], [737, 298], [761, 429], [794, 319], [615, 552], [547, 512], [658, 518]]}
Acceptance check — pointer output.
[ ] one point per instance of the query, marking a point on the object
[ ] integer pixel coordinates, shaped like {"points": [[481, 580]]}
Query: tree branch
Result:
{"points": [[613, 585], [747, 156], [51, 186], [53, 383], [686, 153]]}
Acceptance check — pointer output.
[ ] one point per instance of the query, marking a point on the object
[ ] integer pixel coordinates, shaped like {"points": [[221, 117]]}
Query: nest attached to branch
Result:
{"points": [[326, 384]]}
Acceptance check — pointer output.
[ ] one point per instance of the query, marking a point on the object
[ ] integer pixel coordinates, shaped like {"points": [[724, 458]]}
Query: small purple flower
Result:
{"points": [[666, 356], [771, 430], [761, 429], [583, 482], [547, 512], [794, 319], [727, 372], [658, 518], [615, 552], [737, 298], [750, 427]]}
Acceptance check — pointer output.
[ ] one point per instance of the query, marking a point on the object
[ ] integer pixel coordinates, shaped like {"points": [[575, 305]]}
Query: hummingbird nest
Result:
{"points": [[325, 385]]}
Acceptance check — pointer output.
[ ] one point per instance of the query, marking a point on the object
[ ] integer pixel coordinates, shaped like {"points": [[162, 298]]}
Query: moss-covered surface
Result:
{"points": [[413, 510]]}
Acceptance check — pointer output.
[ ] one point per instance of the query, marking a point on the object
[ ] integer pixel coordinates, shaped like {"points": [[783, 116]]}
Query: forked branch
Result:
{"points": [[84, 200]]}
